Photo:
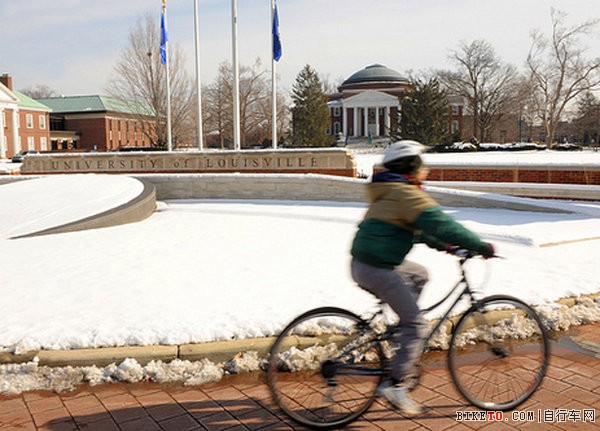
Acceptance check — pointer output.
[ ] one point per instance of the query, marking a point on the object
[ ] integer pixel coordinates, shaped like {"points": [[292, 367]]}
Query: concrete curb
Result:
{"points": [[217, 352]]}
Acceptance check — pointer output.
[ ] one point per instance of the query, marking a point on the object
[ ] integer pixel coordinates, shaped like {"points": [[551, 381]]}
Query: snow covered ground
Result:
{"points": [[207, 270]]}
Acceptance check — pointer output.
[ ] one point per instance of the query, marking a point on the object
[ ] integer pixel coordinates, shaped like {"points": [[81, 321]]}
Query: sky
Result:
{"points": [[206, 270], [72, 46]]}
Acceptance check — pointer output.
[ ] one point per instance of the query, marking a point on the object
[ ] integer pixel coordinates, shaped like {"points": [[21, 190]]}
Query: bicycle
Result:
{"points": [[326, 364]]}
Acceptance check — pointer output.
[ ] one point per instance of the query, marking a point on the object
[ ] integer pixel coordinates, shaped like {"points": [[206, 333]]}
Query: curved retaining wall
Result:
{"points": [[315, 187], [139, 208]]}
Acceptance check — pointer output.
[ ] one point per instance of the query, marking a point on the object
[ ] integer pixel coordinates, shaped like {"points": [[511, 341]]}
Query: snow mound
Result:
{"points": [[38, 204]]}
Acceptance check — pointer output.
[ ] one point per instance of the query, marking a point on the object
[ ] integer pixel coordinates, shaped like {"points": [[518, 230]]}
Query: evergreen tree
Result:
{"points": [[310, 115], [425, 113]]}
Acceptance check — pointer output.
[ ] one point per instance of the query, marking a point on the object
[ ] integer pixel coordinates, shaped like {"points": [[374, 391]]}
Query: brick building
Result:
{"points": [[24, 122], [97, 123], [368, 104]]}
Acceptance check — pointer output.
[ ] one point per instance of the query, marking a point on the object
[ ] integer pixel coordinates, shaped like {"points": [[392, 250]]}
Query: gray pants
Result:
{"points": [[400, 288]]}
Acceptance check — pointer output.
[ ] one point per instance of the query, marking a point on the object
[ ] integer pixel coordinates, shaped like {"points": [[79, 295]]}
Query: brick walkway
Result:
{"points": [[570, 391]]}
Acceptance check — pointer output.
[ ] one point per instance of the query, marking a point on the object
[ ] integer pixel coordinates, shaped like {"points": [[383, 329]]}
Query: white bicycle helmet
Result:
{"points": [[402, 149]]}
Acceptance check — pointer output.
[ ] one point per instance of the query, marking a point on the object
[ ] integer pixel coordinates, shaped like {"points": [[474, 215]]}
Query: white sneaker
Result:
{"points": [[398, 396]]}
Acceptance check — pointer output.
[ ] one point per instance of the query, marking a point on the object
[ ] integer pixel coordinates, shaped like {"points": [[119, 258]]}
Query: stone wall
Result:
{"points": [[308, 187], [319, 161]]}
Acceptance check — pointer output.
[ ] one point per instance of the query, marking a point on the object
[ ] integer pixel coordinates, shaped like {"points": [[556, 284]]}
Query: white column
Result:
{"points": [[345, 121], [2, 149], [16, 132], [366, 122], [387, 119], [355, 113], [377, 121]]}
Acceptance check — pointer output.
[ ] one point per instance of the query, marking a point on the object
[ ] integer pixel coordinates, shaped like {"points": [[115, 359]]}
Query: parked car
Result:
{"points": [[18, 158]]}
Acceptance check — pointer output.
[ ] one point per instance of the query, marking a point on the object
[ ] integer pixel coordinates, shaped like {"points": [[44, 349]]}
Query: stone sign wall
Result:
{"points": [[325, 161]]}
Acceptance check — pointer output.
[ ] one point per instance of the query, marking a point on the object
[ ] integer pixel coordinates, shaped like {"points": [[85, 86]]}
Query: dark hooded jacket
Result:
{"points": [[400, 214]]}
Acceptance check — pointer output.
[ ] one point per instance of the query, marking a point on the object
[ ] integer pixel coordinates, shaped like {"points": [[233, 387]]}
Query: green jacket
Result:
{"points": [[400, 214]]}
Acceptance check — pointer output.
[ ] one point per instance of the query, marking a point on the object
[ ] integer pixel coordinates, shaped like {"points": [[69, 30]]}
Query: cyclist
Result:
{"points": [[400, 214]]}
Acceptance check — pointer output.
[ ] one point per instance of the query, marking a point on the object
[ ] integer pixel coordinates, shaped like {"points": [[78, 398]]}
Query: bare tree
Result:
{"points": [[39, 91], [255, 95], [484, 81], [218, 106], [330, 86], [255, 105], [140, 82], [559, 70], [525, 107]]}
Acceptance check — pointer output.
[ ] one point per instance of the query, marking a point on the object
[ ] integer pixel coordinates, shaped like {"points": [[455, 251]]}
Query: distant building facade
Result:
{"points": [[97, 123], [24, 122], [367, 104]]}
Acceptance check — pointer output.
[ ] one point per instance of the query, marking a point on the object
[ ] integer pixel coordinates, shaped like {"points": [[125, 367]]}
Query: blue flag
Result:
{"points": [[163, 38], [276, 40]]}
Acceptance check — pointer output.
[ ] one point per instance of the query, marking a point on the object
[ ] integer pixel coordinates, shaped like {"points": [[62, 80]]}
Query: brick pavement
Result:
{"points": [[242, 402]]}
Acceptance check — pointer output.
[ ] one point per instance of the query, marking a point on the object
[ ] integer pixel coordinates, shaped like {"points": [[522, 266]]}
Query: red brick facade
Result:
{"points": [[585, 175], [25, 123], [107, 132]]}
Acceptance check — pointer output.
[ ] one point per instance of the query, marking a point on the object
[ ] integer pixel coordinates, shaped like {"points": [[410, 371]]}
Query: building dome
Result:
{"points": [[374, 74]]}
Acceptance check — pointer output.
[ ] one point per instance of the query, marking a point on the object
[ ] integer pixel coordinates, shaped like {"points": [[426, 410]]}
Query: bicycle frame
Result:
{"points": [[392, 329], [465, 292]]}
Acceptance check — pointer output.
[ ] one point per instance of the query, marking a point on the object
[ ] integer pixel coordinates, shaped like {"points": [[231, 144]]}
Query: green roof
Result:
{"points": [[72, 104], [27, 102]]}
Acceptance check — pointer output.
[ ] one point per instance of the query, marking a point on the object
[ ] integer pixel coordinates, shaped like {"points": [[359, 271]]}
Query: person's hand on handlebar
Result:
{"points": [[486, 251]]}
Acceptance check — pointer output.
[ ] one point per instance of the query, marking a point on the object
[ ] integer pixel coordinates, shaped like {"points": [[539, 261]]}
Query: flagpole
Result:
{"points": [[166, 62], [236, 78], [198, 83], [273, 80]]}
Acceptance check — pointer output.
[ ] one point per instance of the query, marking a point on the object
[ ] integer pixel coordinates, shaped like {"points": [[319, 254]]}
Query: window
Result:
{"points": [[454, 126], [42, 122], [29, 121], [44, 143], [336, 111], [454, 109], [337, 127], [30, 142]]}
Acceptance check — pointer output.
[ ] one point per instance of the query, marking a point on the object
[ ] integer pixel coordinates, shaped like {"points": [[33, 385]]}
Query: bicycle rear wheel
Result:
{"points": [[498, 353], [324, 368]]}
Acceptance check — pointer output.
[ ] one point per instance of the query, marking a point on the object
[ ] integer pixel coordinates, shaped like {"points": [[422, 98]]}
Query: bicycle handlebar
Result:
{"points": [[465, 254]]}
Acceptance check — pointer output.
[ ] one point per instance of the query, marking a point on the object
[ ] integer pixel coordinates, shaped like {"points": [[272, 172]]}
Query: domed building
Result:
{"points": [[368, 104]]}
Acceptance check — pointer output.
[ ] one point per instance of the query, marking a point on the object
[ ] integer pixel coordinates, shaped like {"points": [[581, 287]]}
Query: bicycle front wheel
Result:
{"points": [[324, 368], [498, 353]]}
